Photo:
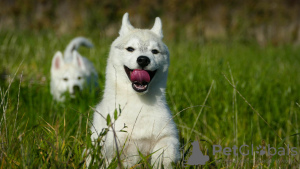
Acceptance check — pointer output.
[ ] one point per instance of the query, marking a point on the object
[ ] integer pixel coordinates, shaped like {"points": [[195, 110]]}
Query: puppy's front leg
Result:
{"points": [[165, 152]]}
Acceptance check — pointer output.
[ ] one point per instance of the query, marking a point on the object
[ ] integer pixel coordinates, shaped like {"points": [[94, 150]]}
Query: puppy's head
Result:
{"points": [[67, 76], [140, 56]]}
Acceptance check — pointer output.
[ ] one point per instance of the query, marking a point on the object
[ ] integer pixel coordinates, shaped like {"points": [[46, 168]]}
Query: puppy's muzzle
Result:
{"points": [[143, 61], [76, 89]]}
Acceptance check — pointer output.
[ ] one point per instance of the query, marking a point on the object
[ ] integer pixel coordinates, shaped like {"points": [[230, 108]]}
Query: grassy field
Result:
{"points": [[221, 93]]}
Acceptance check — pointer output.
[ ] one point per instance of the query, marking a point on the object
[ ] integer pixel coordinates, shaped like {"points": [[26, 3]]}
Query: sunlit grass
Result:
{"points": [[36, 132]]}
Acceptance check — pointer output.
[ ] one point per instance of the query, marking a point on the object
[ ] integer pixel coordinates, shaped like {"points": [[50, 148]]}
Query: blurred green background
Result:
{"points": [[264, 21]]}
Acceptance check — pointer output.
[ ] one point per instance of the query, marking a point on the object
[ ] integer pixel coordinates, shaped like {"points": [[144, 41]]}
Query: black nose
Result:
{"points": [[76, 89], [143, 61]]}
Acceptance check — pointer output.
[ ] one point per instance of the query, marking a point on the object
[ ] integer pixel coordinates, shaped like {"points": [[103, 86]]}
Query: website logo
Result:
{"points": [[197, 157]]}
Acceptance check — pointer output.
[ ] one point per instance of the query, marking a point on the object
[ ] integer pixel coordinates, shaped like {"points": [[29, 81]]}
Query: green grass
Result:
{"points": [[36, 132]]}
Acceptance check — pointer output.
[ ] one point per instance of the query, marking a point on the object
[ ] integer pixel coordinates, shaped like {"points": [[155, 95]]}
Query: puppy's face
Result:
{"points": [[67, 77], [141, 54]]}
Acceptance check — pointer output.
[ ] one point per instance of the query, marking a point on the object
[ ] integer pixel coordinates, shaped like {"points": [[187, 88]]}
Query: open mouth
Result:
{"points": [[139, 78]]}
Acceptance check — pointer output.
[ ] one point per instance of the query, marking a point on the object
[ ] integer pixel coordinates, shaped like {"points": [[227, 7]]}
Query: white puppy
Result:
{"points": [[136, 76], [72, 72]]}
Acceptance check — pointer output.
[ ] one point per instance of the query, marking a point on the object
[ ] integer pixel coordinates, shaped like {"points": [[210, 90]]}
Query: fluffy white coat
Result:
{"points": [[72, 72], [150, 127]]}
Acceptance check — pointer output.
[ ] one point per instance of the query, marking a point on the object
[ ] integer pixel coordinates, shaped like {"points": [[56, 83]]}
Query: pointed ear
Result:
{"points": [[126, 26], [157, 28], [57, 61], [78, 60]]}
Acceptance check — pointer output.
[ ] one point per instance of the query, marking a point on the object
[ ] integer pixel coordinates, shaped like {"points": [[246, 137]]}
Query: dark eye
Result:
{"points": [[79, 77], [130, 49], [154, 51], [65, 79]]}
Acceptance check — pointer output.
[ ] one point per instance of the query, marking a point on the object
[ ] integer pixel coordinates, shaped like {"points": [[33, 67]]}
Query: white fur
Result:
{"points": [[71, 70], [150, 127]]}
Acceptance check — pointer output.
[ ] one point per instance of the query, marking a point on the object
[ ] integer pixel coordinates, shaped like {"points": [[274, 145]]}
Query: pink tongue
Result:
{"points": [[140, 76]]}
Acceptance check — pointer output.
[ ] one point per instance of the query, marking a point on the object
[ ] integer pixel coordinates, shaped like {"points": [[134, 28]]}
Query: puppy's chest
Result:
{"points": [[143, 124]]}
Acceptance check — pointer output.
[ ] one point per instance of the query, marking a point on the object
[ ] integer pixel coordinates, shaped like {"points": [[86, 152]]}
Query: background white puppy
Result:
{"points": [[136, 76], [73, 72]]}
